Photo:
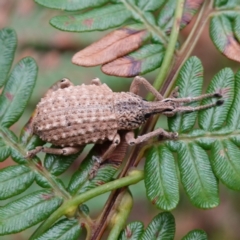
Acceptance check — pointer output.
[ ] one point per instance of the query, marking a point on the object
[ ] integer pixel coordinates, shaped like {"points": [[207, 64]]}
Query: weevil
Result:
{"points": [[72, 116]]}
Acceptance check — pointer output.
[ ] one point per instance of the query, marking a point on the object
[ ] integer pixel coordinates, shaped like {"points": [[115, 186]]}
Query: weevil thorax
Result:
{"points": [[129, 110], [132, 110]]}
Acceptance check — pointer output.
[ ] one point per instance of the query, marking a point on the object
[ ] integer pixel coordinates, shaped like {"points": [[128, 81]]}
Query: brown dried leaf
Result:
{"points": [[232, 49], [145, 59], [117, 156], [125, 67], [116, 44]]}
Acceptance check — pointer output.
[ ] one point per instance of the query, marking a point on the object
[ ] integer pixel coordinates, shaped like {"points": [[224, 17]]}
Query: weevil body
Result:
{"points": [[72, 116]]}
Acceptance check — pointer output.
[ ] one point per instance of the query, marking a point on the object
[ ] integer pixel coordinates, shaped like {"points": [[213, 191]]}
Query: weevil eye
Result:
{"points": [[147, 115], [168, 110], [63, 80]]}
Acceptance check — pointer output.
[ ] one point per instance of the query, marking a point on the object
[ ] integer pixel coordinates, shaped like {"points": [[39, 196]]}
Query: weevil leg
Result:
{"points": [[111, 148], [131, 140], [135, 87], [188, 109], [63, 83], [174, 93], [57, 151], [96, 81], [107, 153]]}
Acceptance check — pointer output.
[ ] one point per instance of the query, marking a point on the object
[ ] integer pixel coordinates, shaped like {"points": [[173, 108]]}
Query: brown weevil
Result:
{"points": [[72, 116]]}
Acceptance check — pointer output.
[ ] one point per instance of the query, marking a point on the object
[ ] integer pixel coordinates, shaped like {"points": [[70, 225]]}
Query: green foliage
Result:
{"points": [[27, 211], [156, 18], [97, 19], [71, 5], [198, 171], [8, 43], [162, 189], [225, 29], [132, 231], [57, 165], [14, 180], [196, 235], [162, 227], [62, 230], [17, 91]]}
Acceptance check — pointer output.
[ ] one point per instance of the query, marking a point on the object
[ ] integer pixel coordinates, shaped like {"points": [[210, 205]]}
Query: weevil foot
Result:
{"points": [[169, 135], [34, 152], [95, 167], [174, 135]]}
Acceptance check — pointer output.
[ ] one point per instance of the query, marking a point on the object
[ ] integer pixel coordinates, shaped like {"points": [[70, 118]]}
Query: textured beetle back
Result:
{"points": [[129, 110], [76, 115]]}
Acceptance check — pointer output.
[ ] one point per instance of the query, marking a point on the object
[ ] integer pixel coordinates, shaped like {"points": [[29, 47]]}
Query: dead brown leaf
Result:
{"points": [[116, 44]]}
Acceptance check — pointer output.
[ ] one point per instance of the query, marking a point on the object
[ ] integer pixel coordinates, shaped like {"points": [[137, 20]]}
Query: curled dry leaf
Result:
{"points": [[118, 154], [116, 44]]}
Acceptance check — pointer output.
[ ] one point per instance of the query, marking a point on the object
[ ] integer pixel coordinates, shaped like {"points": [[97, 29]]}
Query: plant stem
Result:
{"points": [[155, 30], [158, 84], [165, 67], [135, 151], [134, 177], [119, 219], [187, 47]]}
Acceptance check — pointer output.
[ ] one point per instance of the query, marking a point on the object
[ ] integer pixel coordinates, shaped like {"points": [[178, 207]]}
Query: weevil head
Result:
{"points": [[157, 107], [132, 110], [129, 110]]}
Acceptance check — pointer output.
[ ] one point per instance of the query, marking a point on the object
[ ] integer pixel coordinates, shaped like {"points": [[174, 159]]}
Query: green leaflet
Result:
{"points": [[214, 118], [132, 231], [27, 211], [42, 181], [80, 181], [14, 180], [17, 91], [96, 19], [7, 137], [162, 227], [225, 34], [196, 175], [72, 5], [162, 189], [165, 17], [62, 230], [56, 164], [225, 151], [8, 44], [226, 4], [150, 5], [5, 150], [225, 162], [189, 81], [220, 135], [195, 235], [27, 138], [236, 27], [233, 119]]}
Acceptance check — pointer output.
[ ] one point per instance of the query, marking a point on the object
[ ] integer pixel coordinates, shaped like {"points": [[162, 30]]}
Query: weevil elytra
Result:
{"points": [[72, 116]]}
